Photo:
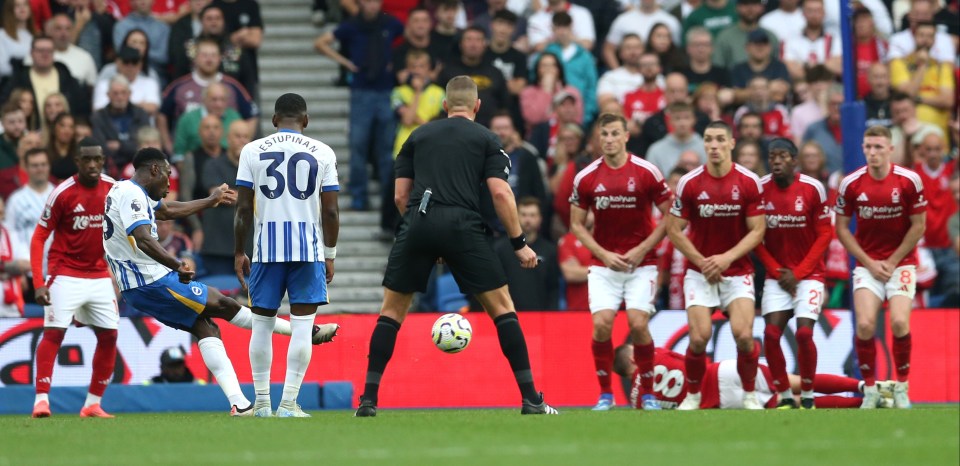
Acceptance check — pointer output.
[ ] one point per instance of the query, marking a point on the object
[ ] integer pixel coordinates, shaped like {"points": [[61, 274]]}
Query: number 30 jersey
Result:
{"points": [[287, 171]]}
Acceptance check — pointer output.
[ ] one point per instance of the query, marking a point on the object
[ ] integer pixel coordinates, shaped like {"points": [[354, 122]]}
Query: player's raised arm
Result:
{"points": [[170, 210]]}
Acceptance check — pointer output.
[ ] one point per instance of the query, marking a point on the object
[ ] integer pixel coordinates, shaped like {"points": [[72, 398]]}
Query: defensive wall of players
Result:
{"points": [[472, 378]]}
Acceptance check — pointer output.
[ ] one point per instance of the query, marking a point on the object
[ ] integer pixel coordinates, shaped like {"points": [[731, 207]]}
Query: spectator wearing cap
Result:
{"points": [[491, 87], [759, 62], [144, 90], [544, 136], [116, 124], [714, 15], [549, 82], [579, 67], [731, 42], [813, 46], [173, 368]]}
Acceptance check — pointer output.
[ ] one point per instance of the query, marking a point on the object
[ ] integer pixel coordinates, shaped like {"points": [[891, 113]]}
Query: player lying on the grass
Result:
{"points": [[158, 284], [722, 388]]}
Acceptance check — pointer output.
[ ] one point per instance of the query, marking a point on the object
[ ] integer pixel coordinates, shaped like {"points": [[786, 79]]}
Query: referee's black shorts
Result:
{"points": [[453, 233]]}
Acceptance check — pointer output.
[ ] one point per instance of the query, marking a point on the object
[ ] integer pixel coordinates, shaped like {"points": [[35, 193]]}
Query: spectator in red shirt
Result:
{"points": [[574, 259], [935, 171], [870, 49], [775, 116], [646, 99]]}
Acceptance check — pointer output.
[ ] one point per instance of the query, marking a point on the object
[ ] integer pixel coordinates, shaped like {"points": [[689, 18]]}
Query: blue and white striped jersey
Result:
{"points": [[287, 171], [127, 207]]}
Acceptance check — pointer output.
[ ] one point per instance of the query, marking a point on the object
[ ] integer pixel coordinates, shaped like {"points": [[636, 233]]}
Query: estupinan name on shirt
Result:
{"points": [[295, 138]]}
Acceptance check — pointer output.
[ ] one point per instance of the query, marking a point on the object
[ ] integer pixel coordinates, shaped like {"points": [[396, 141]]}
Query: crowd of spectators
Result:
{"points": [[547, 68], [183, 75]]}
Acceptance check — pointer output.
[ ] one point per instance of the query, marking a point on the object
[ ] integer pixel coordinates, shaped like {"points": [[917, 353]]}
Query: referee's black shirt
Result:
{"points": [[452, 157]]}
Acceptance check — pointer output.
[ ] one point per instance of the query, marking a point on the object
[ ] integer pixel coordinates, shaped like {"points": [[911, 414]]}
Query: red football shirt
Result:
{"points": [[641, 103], [936, 188], [74, 214], [717, 209], [621, 200], [883, 209], [570, 247], [793, 215], [669, 382]]}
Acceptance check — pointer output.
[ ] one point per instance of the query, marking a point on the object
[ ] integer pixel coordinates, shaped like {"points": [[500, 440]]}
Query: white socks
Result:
{"points": [[261, 353], [41, 397], [91, 400], [298, 357], [215, 357], [244, 319]]}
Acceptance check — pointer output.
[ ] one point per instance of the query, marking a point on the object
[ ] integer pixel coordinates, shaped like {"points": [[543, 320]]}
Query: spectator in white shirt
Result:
{"points": [[881, 16], [615, 84], [144, 90], [638, 21], [25, 205], [540, 25], [903, 44], [786, 21], [814, 46], [80, 63]]}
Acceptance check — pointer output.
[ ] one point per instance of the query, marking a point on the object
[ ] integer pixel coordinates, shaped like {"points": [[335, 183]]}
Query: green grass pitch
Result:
{"points": [[926, 435]]}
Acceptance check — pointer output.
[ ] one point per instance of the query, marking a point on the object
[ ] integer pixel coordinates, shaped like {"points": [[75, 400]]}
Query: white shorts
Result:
{"points": [[731, 388], [90, 300], [807, 303], [606, 288], [903, 282], [702, 293]]}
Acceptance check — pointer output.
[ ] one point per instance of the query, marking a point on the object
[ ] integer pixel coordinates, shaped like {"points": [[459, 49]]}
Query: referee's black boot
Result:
{"points": [[542, 407], [367, 409]]}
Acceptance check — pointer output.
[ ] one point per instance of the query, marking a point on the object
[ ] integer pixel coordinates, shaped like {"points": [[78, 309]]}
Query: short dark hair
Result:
{"points": [[290, 105], [207, 8], [678, 107], [678, 171], [923, 23], [750, 114], [38, 38], [506, 15], [148, 156], [35, 151], [447, 3], [608, 118], [528, 201], [720, 124], [562, 18], [206, 39], [9, 107], [474, 28], [898, 96]]}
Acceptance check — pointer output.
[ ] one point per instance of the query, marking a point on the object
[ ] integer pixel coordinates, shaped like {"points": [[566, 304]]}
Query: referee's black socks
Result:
{"points": [[514, 347], [382, 342]]}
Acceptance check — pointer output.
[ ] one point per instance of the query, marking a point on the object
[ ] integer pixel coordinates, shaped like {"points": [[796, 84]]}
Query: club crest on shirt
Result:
{"points": [[735, 193], [798, 205], [631, 185], [46, 213], [196, 290], [895, 196]]}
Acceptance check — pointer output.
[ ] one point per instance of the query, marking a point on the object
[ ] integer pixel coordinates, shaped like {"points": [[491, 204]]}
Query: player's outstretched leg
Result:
{"points": [[241, 316], [216, 359], [46, 356], [104, 360], [499, 307], [382, 342]]}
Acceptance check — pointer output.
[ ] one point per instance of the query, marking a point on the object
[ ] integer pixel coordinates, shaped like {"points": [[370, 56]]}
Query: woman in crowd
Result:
{"points": [[536, 100], [660, 42], [17, 34], [136, 39], [25, 99], [61, 147], [748, 155], [53, 106]]}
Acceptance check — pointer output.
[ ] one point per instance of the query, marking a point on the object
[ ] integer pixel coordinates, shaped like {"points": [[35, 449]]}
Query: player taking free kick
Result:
{"points": [[891, 217], [722, 203], [620, 188], [793, 248]]}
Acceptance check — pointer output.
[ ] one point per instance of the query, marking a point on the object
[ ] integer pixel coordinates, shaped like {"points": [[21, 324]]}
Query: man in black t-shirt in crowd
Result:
{"points": [[491, 87], [439, 171]]}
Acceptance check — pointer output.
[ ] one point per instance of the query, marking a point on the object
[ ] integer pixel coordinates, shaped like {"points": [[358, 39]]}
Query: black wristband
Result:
{"points": [[519, 242]]}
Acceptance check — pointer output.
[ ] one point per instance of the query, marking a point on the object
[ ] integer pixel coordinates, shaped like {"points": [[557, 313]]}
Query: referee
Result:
{"points": [[439, 171]]}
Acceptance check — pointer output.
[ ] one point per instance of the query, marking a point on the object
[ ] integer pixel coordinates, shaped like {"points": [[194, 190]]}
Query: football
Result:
{"points": [[451, 333]]}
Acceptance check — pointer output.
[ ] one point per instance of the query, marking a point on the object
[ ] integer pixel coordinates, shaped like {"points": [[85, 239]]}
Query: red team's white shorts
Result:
{"points": [[702, 293], [807, 303], [606, 288], [903, 282], [91, 300], [731, 388]]}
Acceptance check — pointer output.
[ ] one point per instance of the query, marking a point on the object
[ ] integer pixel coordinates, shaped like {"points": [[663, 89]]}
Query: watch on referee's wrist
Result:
{"points": [[519, 242]]}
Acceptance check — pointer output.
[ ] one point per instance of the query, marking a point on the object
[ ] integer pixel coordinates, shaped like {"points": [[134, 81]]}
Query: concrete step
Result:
{"points": [[314, 94], [359, 232], [354, 218], [298, 5], [301, 78], [356, 279], [360, 307], [293, 30], [355, 293], [321, 129], [361, 264], [311, 61], [344, 202], [287, 46], [278, 17]]}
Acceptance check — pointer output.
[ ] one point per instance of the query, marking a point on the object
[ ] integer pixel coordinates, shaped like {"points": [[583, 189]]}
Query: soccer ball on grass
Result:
{"points": [[451, 333]]}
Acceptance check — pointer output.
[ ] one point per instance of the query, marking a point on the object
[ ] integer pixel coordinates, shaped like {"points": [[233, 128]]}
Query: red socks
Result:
{"points": [[775, 359], [46, 356], [643, 357], [747, 367], [603, 361], [837, 402], [901, 356], [867, 358], [696, 365], [807, 358], [829, 383], [104, 359]]}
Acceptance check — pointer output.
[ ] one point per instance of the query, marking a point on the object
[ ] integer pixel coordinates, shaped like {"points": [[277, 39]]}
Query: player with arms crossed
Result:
{"points": [[438, 175], [798, 234], [293, 181], [158, 284], [723, 204], [891, 217], [620, 188], [78, 286]]}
